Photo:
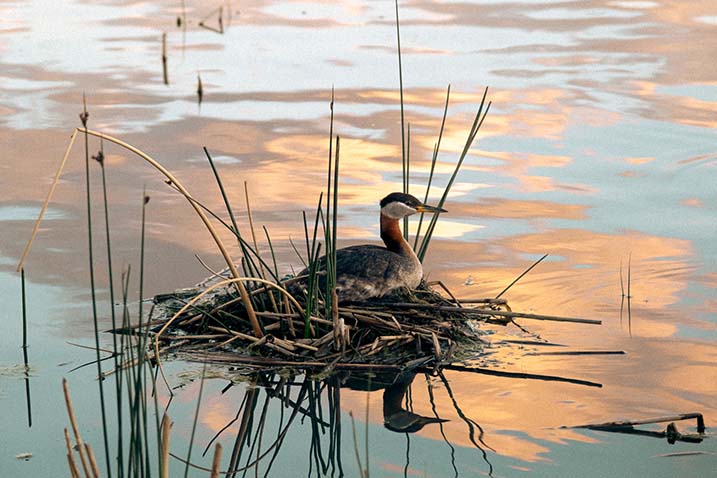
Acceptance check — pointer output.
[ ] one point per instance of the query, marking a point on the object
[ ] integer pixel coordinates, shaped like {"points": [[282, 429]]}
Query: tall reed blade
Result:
{"points": [[407, 177], [141, 377], [330, 182], [218, 178], [24, 309], [24, 350], [400, 82], [434, 160], [230, 211], [100, 158], [477, 123], [335, 215]]}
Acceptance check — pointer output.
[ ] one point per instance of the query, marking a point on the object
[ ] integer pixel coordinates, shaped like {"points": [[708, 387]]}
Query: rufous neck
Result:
{"points": [[392, 237]]}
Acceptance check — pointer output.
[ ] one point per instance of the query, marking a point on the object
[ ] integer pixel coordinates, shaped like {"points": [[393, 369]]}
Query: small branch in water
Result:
{"points": [[491, 312], [647, 421], [219, 12], [531, 376], [521, 276]]}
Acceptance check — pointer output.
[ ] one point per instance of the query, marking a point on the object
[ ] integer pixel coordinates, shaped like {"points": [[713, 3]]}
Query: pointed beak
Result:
{"points": [[427, 208]]}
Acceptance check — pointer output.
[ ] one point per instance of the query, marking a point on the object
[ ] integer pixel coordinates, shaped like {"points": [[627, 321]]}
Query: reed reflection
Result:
{"points": [[278, 406]]}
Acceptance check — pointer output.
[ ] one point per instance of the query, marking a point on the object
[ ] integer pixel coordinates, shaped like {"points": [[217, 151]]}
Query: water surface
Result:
{"points": [[599, 149]]}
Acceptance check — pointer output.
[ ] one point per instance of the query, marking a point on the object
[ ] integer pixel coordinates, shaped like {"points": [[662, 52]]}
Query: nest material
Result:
{"points": [[404, 330]]}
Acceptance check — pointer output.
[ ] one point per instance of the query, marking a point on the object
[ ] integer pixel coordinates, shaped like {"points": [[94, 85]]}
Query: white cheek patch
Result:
{"points": [[397, 210]]}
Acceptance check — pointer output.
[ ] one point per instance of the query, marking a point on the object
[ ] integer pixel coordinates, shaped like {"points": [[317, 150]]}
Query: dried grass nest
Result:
{"points": [[408, 329]]}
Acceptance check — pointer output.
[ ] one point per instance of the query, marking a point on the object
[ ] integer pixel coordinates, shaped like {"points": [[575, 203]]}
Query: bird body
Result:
{"points": [[368, 271]]}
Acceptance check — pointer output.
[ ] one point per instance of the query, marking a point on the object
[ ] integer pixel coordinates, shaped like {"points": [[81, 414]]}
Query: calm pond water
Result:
{"points": [[599, 149]]}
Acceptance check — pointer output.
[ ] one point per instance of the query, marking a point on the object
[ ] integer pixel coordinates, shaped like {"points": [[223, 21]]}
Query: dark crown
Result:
{"points": [[401, 197]]}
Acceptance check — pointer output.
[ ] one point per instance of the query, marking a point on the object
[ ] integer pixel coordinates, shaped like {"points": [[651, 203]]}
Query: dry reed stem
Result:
{"points": [[386, 338], [216, 461], [282, 346], [70, 457], [212, 231], [290, 322], [488, 312], [93, 461], [305, 346], [197, 337], [36, 227], [73, 467], [166, 425], [258, 343], [75, 429]]}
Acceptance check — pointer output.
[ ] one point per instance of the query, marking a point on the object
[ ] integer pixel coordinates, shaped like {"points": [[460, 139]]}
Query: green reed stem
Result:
{"points": [[83, 118], [312, 283], [477, 123], [24, 349], [115, 351], [407, 177], [334, 216], [306, 235], [400, 83], [404, 156], [271, 251], [120, 373], [142, 336], [328, 175], [24, 310], [234, 228], [329, 231], [434, 160], [221, 189]]}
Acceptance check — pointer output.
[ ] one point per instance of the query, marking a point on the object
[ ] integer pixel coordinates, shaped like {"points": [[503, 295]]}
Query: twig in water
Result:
{"points": [[220, 21], [521, 276], [531, 376], [700, 422]]}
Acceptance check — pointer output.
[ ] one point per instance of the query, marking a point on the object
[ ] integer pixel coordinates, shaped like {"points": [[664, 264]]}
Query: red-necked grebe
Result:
{"points": [[367, 271]]}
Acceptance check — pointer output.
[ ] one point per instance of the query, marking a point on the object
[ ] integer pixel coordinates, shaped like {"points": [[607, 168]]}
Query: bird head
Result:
{"points": [[399, 205]]}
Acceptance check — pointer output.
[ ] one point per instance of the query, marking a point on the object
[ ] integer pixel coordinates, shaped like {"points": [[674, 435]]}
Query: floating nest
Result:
{"points": [[408, 329]]}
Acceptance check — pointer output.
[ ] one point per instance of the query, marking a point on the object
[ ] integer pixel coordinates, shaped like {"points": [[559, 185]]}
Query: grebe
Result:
{"points": [[367, 271]]}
